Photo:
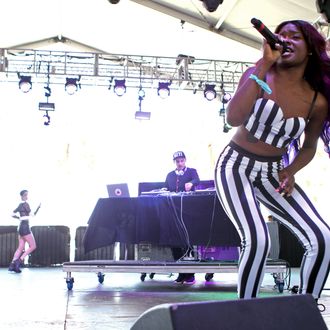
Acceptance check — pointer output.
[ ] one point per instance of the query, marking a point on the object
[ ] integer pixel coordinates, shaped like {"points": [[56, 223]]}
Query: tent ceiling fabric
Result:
{"points": [[149, 27], [232, 17]]}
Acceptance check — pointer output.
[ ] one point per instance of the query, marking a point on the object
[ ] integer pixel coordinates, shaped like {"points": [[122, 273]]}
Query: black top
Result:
{"points": [[23, 209], [176, 181]]}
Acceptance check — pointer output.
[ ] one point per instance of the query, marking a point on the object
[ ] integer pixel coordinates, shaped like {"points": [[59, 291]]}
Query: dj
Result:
{"points": [[179, 180], [182, 178]]}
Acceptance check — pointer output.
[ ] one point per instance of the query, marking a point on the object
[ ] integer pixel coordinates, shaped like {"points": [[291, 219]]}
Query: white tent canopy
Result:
{"points": [[125, 28]]}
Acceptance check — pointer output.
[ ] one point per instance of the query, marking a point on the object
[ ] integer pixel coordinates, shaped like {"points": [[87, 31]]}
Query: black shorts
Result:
{"points": [[24, 228]]}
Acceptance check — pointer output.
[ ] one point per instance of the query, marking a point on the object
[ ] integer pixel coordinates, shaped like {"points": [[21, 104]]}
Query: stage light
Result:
{"points": [[120, 87], [225, 98], [141, 93], [25, 83], [226, 128], [142, 115], [209, 92], [222, 113], [72, 85], [163, 90], [212, 5], [46, 106]]}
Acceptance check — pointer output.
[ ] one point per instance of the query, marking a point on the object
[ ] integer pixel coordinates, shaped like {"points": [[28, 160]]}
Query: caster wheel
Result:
{"points": [[208, 276], [143, 276], [151, 276], [280, 287], [295, 289], [69, 283], [100, 277]]}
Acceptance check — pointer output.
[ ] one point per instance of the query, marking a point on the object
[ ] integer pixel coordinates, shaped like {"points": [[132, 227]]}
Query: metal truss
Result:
{"points": [[99, 69], [323, 27]]}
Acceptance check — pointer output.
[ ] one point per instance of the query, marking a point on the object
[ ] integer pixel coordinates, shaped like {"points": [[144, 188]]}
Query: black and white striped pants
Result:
{"points": [[243, 180]]}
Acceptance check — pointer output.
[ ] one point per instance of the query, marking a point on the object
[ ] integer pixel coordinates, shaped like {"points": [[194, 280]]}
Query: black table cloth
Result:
{"points": [[172, 220]]}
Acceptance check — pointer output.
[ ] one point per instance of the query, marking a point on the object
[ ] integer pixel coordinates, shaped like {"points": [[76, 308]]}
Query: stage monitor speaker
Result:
{"points": [[296, 312]]}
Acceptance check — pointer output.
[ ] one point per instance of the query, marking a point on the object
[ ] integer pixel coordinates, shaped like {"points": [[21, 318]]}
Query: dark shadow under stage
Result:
{"points": [[38, 298]]}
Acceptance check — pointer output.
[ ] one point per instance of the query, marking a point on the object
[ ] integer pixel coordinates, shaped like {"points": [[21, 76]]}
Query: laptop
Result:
{"points": [[118, 190]]}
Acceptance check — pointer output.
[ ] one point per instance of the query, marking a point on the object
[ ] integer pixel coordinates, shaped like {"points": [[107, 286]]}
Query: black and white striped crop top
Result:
{"points": [[267, 123]]}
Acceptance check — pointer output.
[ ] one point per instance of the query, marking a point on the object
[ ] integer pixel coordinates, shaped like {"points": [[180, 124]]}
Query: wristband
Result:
{"points": [[261, 83]]}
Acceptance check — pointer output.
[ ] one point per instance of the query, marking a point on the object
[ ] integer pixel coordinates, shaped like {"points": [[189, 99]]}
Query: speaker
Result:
{"points": [[103, 253], [290, 249], [274, 252], [298, 312], [53, 245], [8, 244]]}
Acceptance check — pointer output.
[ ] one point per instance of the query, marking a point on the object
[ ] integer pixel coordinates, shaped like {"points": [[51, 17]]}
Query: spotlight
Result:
{"points": [[226, 97], [209, 92], [141, 93], [72, 85], [163, 90], [212, 5], [119, 88], [142, 115], [46, 106], [226, 128], [24, 83]]}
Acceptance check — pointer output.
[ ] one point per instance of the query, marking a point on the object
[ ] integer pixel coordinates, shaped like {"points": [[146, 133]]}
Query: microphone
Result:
{"points": [[270, 37]]}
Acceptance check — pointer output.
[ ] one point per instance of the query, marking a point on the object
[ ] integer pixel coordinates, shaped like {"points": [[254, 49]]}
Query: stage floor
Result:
{"points": [[38, 298]]}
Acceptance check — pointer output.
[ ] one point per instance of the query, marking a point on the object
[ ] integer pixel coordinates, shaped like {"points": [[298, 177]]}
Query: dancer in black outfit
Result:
{"points": [[24, 233]]}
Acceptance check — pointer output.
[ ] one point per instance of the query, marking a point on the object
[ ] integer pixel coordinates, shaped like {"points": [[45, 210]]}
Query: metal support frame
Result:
{"points": [[323, 27], [276, 268], [96, 69]]}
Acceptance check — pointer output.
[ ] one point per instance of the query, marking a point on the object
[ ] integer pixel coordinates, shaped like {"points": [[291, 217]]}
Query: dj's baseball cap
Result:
{"points": [[179, 154]]}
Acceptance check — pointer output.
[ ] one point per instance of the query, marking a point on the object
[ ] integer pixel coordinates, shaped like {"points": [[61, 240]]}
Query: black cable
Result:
{"points": [[182, 229], [289, 275], [211, 225]]}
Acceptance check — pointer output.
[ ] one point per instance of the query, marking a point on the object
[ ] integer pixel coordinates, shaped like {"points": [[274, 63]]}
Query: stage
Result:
{"points": [[38, 297]]}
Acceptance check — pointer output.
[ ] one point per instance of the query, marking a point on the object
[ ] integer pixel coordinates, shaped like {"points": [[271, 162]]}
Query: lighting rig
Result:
{"points": [[47, 106], [225, 98], [141, 115]]}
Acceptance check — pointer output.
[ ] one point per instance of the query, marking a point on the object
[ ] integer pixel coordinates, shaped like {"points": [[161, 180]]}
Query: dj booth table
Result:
{"points": [[170, 220]]}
